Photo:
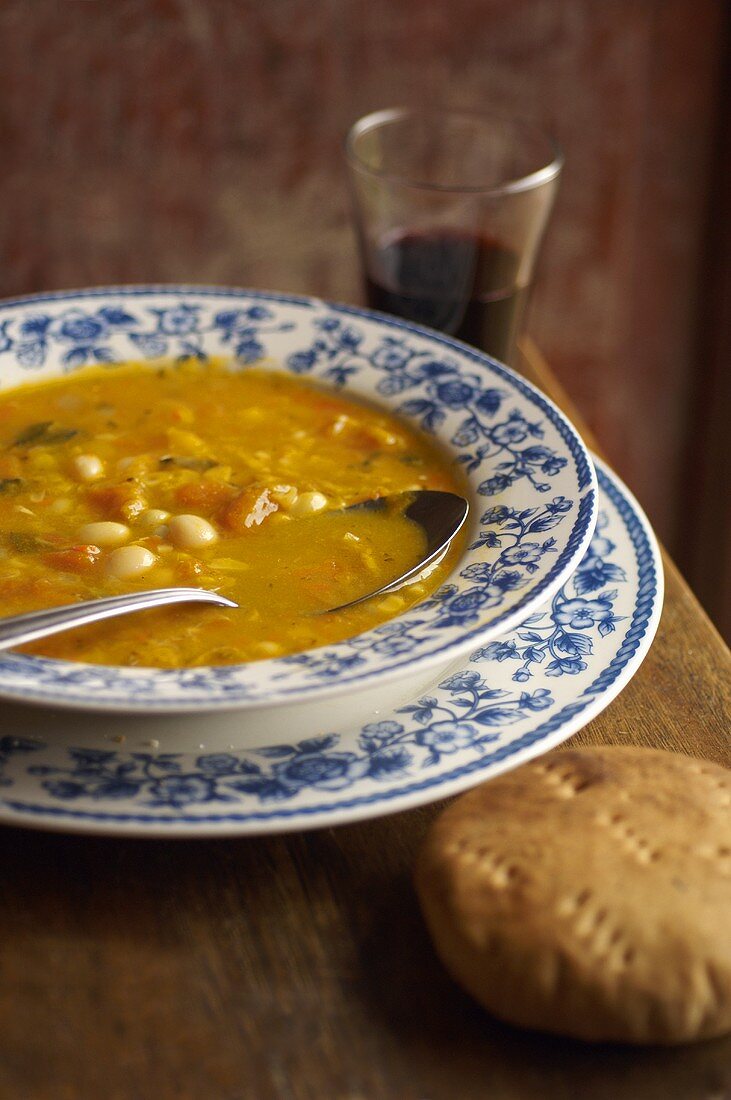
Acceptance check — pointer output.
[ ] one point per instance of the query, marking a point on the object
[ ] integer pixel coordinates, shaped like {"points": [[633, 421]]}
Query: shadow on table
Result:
{"points": [[298, 958], [447, 1037]]}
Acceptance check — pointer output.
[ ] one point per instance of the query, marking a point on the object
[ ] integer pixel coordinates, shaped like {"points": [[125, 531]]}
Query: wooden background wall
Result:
{"points": [[199, 140]]}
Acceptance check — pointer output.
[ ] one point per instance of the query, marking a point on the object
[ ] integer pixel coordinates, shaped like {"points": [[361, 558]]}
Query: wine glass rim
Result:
{"points": [[390, 115]]}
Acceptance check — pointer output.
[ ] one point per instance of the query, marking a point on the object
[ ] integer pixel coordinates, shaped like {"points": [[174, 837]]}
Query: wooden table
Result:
{"points": [[299, 967]]}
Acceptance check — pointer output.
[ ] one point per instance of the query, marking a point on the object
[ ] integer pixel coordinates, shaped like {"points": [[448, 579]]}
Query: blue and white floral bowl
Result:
{"points": [[532, 483]]}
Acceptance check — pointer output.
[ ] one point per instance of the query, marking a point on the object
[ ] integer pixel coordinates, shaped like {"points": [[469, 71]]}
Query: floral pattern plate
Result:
{"points": [[510, 700], [515, 447]]}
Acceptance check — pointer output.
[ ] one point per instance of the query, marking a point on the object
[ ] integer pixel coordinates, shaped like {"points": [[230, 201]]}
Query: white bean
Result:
{"points": [[152, 517], [104, 533], [87, 467], [191, 532], [129, 561], [307, 503]]}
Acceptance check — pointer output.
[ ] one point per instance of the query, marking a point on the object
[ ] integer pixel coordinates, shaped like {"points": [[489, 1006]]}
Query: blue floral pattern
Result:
{"points": [[444, 386], [561, 639], [468, 721], [13, 746], [508, 440], [459, 732], [181, 330]]}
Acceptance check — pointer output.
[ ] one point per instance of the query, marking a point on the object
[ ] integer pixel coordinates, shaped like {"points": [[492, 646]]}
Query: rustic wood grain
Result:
{"points": [[298, 968]]}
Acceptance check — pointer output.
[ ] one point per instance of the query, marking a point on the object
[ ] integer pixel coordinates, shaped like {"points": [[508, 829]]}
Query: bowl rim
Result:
{"points": [[509, 618]]}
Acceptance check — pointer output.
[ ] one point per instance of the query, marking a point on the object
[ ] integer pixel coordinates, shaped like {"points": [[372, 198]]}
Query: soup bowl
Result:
{"points": [[531, 484]]}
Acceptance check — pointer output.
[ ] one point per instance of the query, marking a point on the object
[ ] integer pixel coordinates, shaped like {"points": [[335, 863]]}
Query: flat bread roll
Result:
{"points": [[589, 894]]}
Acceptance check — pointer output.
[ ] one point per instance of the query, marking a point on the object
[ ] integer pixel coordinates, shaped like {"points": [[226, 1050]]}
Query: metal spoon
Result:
{"points": [[441, 515], [19, 629]]}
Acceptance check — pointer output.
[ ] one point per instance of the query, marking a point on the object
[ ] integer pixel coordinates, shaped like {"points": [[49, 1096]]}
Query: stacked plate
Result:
{"points": [[547, 616]]}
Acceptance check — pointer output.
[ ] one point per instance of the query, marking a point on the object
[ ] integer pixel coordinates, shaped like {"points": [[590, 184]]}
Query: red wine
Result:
{"points": [[463, 285]]}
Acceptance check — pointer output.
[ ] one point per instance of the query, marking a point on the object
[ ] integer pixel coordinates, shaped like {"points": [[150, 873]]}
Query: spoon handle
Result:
{"points": [[19, 629]]}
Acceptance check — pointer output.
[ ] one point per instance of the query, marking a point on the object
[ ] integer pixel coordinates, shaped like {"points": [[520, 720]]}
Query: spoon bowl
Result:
{"points": [[440, 515]]}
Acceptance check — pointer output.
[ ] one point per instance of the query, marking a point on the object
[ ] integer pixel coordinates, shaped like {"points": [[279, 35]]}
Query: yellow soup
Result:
{"points": [[132, 477]]}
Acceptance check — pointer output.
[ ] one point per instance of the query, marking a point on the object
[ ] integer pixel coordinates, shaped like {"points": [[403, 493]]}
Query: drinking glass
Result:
{"points": [[450, 208]]}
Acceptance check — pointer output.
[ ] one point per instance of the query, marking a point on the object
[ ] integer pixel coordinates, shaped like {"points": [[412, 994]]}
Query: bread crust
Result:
{"points": [[589, 894]]}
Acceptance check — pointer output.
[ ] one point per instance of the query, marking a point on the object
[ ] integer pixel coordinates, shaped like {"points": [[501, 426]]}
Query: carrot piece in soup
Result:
{"points": [[113, 501], [204, 497], [77, 559], [249, 509]]}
